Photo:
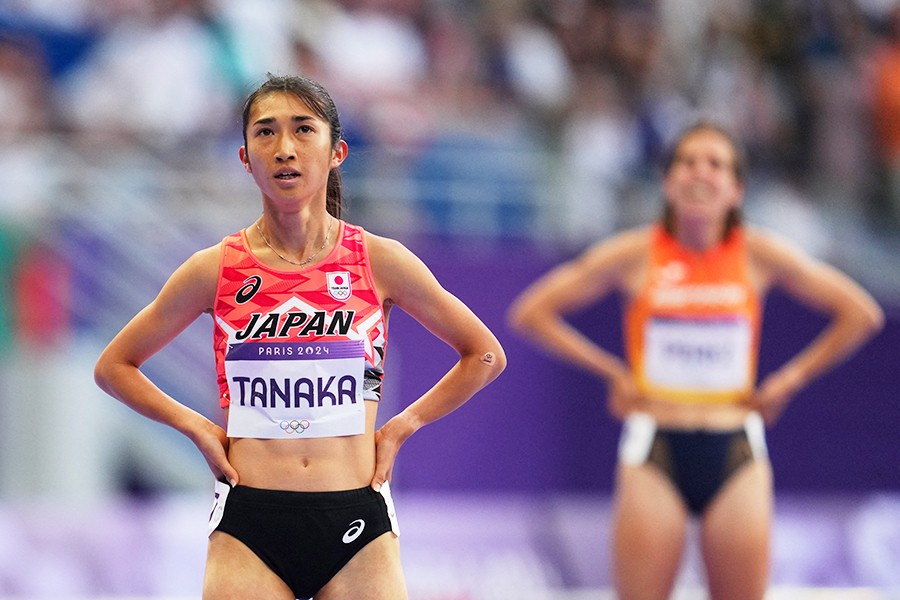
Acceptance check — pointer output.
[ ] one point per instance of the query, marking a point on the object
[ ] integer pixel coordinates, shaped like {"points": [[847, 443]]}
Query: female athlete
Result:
{"points": [[300, 302], [693, 436]]}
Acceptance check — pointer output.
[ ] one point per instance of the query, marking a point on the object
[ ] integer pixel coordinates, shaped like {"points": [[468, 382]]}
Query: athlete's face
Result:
{"points": [[289, 150], [702, 181]]}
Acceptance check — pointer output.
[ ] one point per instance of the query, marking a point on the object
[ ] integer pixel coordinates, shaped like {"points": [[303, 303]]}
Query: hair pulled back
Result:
{"points": [[319, 100]]}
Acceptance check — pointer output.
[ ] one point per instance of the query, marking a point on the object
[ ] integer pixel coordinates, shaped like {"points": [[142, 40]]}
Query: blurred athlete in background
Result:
{"points": [[693, 441]]}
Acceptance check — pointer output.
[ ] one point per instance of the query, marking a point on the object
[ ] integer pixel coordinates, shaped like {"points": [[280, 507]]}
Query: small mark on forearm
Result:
{"points": [[488, 358]]}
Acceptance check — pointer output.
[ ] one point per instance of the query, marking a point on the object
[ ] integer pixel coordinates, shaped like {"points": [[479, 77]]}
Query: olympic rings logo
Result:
{"points": [[295, 426]]}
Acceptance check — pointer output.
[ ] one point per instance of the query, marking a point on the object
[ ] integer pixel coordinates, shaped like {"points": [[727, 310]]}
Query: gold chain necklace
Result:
{"points": [[293, 262]]}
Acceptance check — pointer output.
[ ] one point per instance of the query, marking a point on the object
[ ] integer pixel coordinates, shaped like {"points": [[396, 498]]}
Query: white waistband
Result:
{"points": [[639, 431]]}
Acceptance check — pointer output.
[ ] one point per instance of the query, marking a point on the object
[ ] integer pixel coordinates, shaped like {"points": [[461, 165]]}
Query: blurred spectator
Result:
{"points": [[25, 119], [841, 152], [60, 14], [684, 25], [533, 62], [371, 47], [62, 37], [886, 114], [25, 90], [257, 42], [42, 297], [369, 50], [600, 152], [155, 75], [483, 170], [29, 161]]}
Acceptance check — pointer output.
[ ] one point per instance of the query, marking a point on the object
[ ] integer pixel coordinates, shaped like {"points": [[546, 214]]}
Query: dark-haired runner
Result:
{"points": [[300, 301]]}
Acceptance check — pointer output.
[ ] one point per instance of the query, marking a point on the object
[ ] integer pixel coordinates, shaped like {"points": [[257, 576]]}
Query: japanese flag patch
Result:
{"points": [[339, 285]]}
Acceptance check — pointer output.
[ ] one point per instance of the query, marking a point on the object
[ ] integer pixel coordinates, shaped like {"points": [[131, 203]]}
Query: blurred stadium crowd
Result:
{"points": [[567, 103]]}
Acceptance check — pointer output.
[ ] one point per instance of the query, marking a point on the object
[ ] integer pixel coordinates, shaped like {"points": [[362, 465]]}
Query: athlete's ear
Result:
{"points": [[244, 158], [339, 154]]}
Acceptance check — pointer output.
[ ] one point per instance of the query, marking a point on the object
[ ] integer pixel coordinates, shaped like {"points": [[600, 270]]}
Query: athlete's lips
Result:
{"points": [[286, 174], [699, 191]]}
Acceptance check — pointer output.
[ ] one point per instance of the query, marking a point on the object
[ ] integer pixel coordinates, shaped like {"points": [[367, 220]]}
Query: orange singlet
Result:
{"points": [[692, 332]]}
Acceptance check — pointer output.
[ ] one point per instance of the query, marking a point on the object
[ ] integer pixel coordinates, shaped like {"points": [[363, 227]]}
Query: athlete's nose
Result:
{"points": [[704, 168], [285, 149]]}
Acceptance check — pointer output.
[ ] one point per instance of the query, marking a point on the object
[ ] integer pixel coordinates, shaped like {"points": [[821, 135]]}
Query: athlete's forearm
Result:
{"points": [[471, 374], [837, 342], [127, 384]]}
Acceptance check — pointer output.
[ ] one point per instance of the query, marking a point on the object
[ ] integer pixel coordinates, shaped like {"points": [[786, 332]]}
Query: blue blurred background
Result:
{"points": [[495, 138]]}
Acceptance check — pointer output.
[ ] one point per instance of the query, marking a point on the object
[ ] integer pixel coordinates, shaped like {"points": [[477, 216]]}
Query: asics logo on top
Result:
{"points": [[251, 286], [356, 529]]}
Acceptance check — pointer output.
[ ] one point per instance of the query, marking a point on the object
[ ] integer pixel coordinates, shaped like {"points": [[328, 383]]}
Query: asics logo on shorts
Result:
{"points": [[295, 426], [356, 529]]}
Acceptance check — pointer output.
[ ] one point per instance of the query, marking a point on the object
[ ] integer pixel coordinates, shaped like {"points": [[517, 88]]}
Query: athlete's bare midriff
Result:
{"points": [[307, 465], [701, 415]]}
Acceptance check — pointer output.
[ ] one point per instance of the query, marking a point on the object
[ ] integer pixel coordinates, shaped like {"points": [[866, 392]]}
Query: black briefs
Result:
{"points": [[697, 462], [304, 537]]}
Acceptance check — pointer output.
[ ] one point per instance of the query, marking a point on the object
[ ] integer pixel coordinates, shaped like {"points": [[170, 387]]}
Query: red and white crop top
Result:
{"points": [[297, 352]]}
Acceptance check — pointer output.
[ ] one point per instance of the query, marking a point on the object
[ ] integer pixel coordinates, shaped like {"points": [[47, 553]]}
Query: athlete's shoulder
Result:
{"points": [[778, 259], [205, 261], [769, 247], [624, 248], [194, 283], [401, 277], [635, 240], [384, 249]]}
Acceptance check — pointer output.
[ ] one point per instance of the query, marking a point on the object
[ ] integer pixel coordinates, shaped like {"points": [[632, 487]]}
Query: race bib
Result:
{"points": [[288, 390], [701, 355]]}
